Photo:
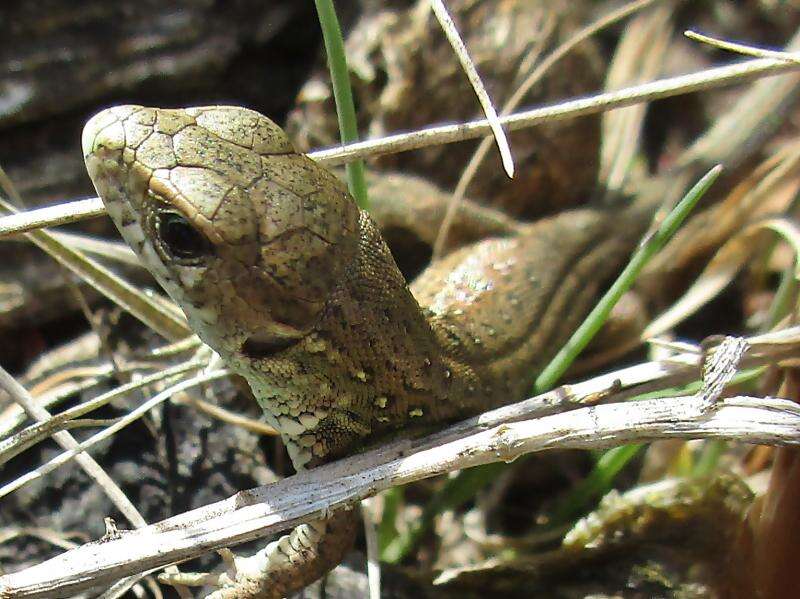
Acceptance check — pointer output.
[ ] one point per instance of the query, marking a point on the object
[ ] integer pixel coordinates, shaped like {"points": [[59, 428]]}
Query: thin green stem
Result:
{"points": [[581, 338], [784, 299], [707, 463], [456, 492], [387, 530], [343, 95]]}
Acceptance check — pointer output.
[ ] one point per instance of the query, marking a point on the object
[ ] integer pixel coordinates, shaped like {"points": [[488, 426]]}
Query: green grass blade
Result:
{"points": [[458, 490], [387, 530], [708, 461], [581, 338], [343, 95], [783, 302]]}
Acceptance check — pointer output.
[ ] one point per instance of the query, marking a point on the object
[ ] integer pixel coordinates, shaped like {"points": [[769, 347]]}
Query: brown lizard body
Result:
{"points": [[279, 272]]}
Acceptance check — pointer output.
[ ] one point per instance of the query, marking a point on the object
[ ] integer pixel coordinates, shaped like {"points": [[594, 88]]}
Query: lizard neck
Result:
{"points": [[371, 366]]}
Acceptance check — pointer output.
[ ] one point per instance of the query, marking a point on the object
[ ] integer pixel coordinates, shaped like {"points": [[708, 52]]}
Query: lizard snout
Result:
{"points": [[104, 132]]}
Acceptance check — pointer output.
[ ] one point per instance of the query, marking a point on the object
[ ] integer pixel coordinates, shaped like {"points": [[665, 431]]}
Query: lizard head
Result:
{"points": [[249, 237]]}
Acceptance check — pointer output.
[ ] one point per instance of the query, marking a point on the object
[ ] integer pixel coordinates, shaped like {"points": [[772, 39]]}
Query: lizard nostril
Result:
{"points": [[91, 138], [103, 143]]}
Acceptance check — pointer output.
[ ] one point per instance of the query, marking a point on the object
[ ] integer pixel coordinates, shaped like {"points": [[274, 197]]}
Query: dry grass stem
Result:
{"points": [[662, 88], [460, 49]]}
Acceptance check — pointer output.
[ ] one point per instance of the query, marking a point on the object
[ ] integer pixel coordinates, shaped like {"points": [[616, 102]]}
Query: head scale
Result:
{"points": [[249, 237]]}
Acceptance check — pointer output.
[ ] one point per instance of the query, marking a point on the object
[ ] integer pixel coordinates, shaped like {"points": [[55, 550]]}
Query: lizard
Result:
{"points": [[279, 271]]}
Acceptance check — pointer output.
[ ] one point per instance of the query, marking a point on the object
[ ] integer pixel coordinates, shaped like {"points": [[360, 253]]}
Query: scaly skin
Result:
{"points": [[277, 269]]}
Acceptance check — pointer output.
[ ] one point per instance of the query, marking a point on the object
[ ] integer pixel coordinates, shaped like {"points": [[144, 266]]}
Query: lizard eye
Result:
{"points": [[181, 240]]}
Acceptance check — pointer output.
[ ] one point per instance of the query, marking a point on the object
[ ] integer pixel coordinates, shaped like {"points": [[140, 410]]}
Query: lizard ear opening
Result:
{"points": [[260, 346], [180, 241]]}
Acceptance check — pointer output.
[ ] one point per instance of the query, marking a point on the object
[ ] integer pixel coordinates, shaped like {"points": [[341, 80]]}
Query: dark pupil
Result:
{"points": [[181, 238]]}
